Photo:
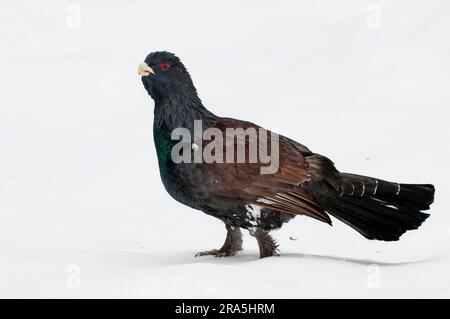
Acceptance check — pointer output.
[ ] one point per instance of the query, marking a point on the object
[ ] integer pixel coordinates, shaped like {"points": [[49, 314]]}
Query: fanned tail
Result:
{"points": [[380, 209]]}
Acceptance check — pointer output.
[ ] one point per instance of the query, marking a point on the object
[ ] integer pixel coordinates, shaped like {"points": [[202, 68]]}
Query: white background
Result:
{"points": [[82, 210]]}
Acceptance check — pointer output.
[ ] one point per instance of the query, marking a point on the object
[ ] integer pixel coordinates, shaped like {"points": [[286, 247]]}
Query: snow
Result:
{"points": [[82, 210]]}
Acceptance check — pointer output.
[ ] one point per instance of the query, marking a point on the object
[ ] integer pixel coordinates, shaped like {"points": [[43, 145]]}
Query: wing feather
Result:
{"points": [[281, 191]]}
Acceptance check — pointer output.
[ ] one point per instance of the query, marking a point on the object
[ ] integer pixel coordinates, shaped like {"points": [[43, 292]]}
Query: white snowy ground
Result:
{"points": [[82, 210]]}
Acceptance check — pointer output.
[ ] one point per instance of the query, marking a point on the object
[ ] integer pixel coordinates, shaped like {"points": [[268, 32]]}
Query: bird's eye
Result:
{"points": [[164, 66]]}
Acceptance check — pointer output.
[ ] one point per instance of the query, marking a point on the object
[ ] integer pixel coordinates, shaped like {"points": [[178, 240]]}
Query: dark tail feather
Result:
{"points": [[379, 209]]}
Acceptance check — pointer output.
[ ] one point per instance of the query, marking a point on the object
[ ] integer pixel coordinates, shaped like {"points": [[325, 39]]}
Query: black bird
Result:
{"points": [[305, 183]]}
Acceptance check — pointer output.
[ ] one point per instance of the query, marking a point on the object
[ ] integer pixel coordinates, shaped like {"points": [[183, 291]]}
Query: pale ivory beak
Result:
{"points": [[144, 69]]}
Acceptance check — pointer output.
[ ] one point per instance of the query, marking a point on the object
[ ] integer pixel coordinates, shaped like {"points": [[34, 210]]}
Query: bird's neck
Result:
{"points": [[180, 110]]}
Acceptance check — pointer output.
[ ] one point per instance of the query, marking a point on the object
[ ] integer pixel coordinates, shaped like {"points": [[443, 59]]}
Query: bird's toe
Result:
{"points": [[216, 253], [213, 252], [222, 254]]}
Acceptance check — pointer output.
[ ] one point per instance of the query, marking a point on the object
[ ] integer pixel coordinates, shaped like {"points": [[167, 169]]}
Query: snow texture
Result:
{"points": [[82, 210]]}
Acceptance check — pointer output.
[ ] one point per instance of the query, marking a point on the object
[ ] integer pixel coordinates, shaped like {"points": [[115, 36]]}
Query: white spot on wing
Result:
{"points": [[265, 201]]}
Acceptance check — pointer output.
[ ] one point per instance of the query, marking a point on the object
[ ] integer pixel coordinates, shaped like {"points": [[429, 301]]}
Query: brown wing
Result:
{"points": [[280, 191]]}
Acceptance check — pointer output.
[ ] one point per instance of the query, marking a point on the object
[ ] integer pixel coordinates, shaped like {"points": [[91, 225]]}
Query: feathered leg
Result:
{"points": [[231, 246], [267, 245]]}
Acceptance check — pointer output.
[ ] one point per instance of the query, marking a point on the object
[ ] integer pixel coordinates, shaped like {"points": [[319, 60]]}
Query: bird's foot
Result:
{"points": [[231, 246], [216, 253], [274, 252]]}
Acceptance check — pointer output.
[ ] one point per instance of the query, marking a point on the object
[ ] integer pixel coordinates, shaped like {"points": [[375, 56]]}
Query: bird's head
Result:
{"points": [[163, 74]]}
